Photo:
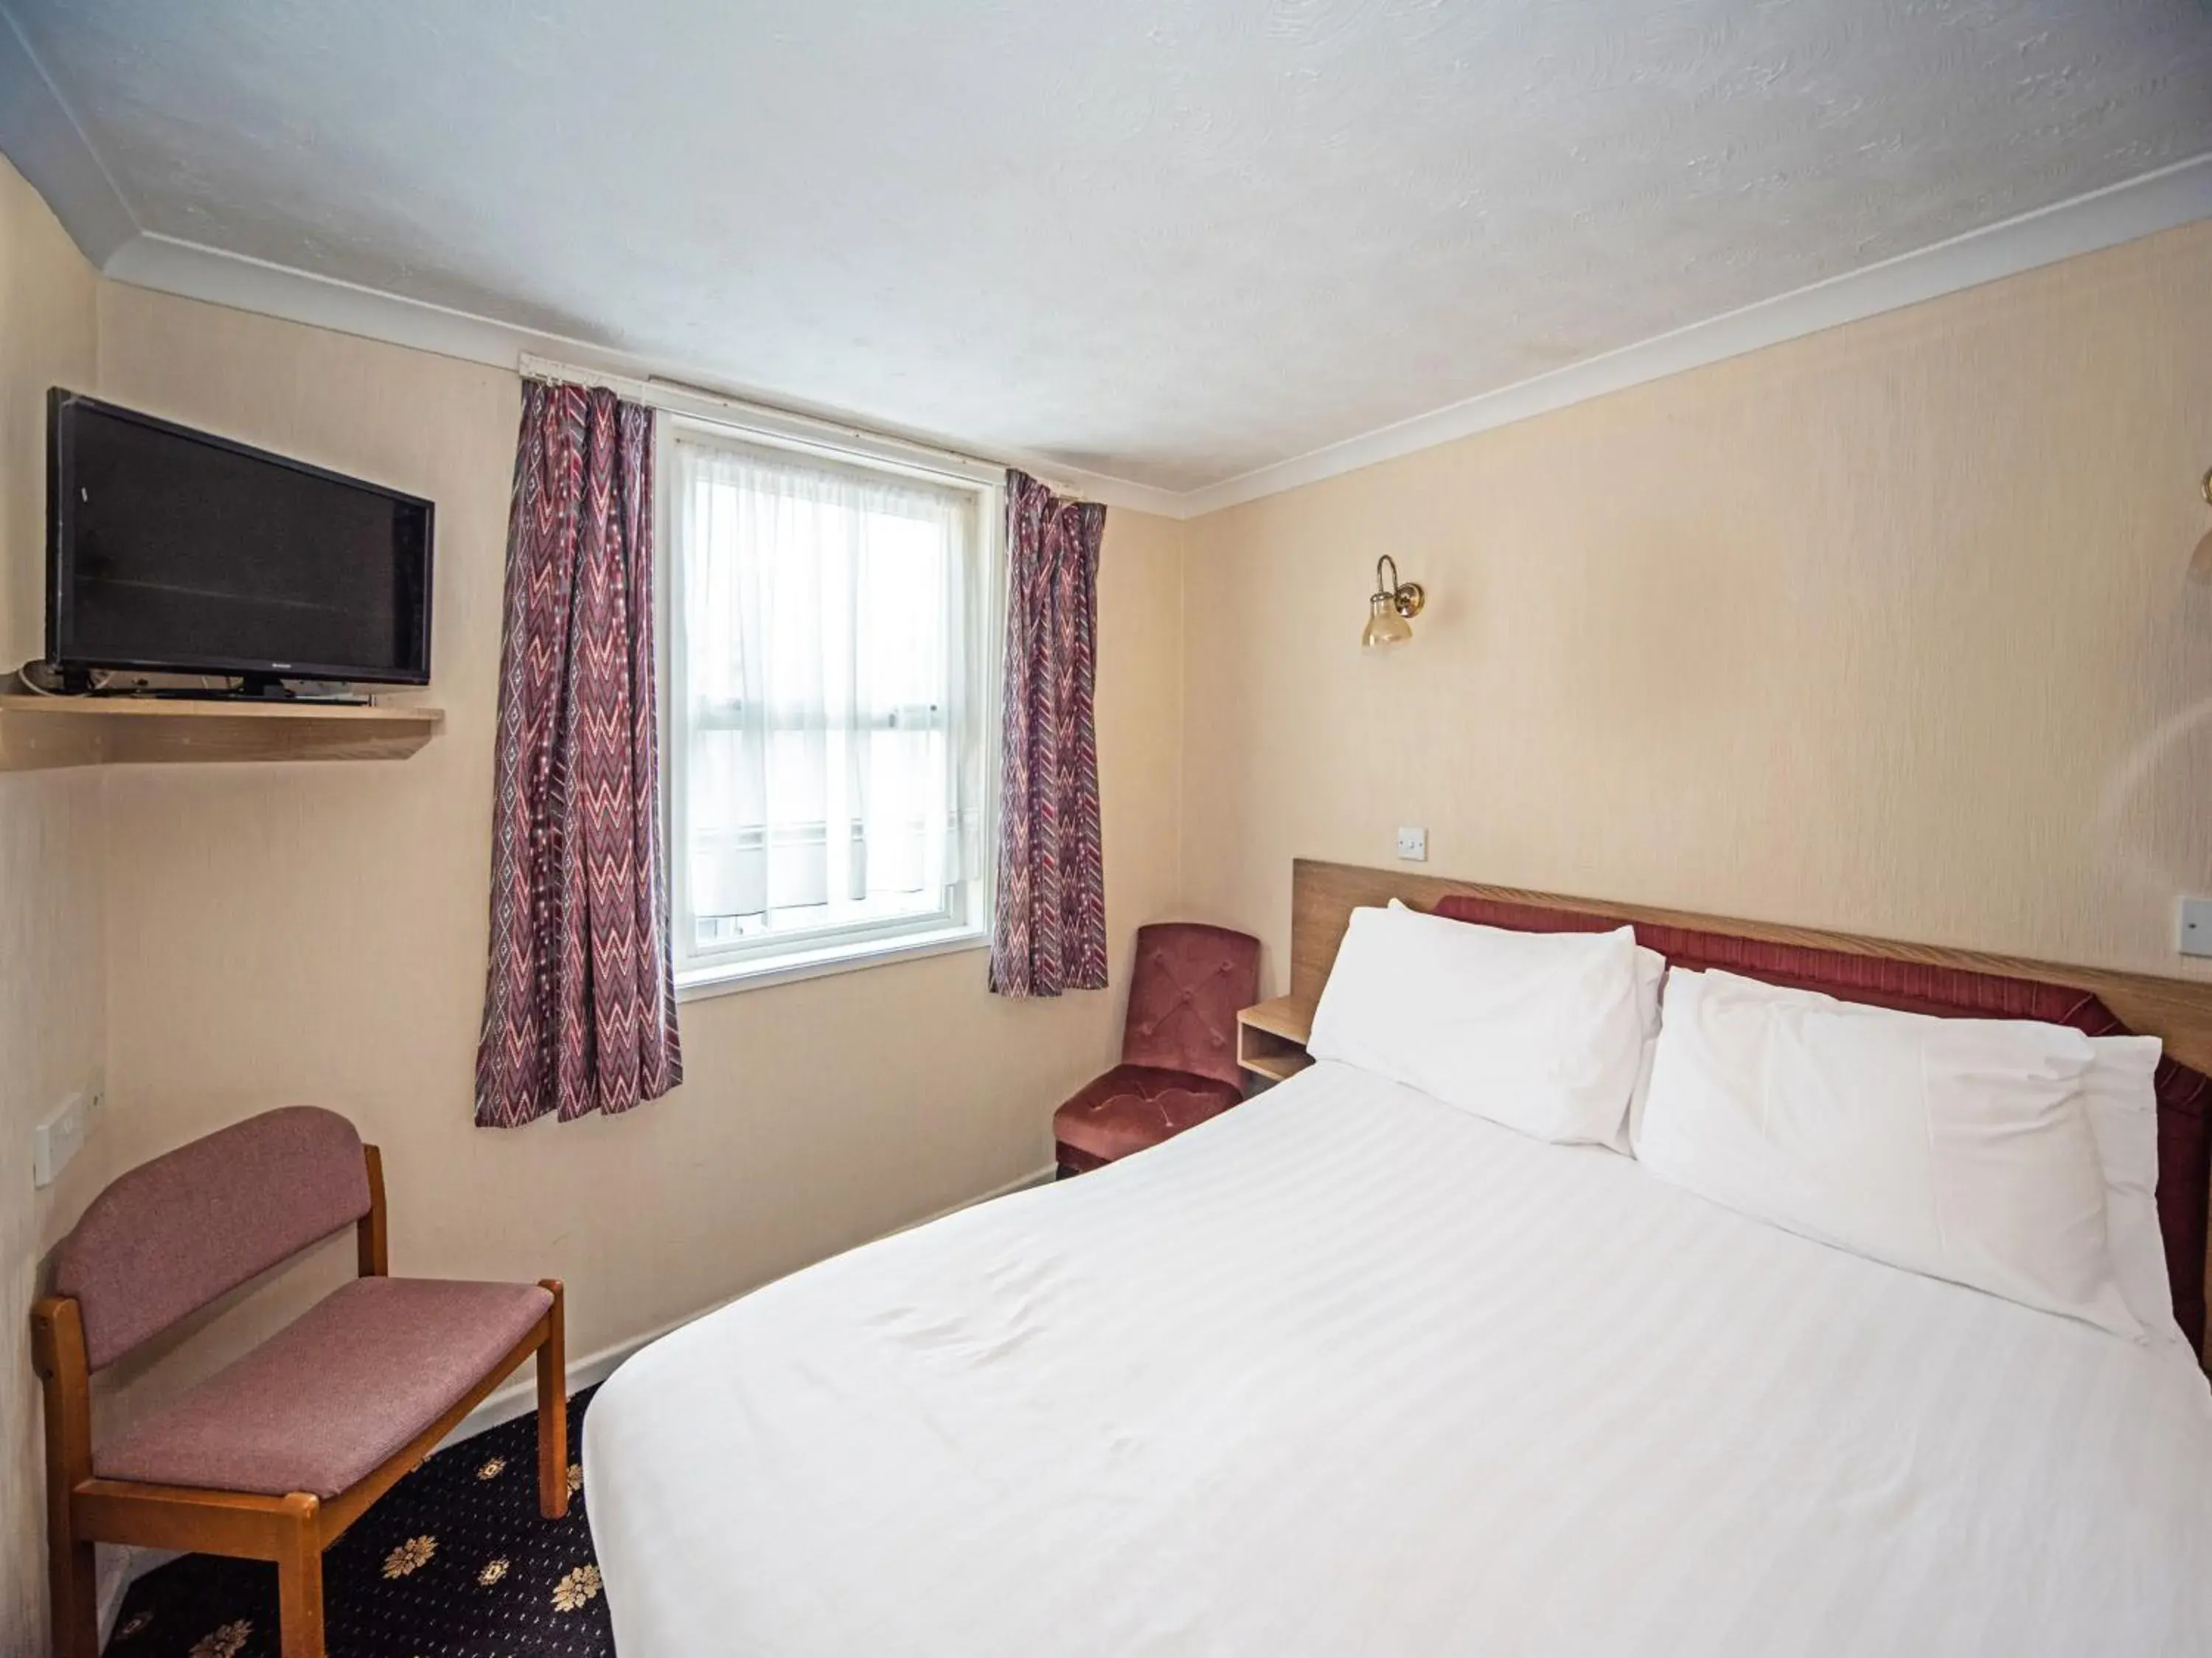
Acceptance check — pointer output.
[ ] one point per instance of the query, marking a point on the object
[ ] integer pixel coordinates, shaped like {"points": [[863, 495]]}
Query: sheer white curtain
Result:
{"points": [[829, 635]]}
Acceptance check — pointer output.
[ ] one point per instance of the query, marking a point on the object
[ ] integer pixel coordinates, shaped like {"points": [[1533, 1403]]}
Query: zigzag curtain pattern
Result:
{"points": [[580, 1000], [1050, 930]]}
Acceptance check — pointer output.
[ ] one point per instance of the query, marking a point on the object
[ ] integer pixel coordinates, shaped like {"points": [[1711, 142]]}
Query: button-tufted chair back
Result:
{"points": [[1190, 981]]}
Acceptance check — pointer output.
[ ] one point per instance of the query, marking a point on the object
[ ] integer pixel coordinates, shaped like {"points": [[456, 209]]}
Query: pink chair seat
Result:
{"points": [[335, 1393], [1132, 1106]]}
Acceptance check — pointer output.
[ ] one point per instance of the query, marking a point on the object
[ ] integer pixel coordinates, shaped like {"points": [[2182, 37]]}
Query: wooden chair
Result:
{"points": [[274, 1457]]}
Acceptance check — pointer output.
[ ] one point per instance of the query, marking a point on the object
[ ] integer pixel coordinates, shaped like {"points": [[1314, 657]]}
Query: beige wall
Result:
{"points": [[1882, 629], [307, 932], [316, 932], [53, 986], [1886, 628]]}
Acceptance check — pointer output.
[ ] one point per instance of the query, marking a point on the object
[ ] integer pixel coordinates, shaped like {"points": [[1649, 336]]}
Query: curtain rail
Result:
{"points": [[700, 402]]}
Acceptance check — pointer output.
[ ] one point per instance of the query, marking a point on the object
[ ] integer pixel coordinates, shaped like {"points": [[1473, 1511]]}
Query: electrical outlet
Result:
{"points": [[59, 1138], [1414, 844], [2196, 927]]}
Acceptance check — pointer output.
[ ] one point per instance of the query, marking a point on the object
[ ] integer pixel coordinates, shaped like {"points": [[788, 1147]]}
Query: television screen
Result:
{"points": [[168, 549]]}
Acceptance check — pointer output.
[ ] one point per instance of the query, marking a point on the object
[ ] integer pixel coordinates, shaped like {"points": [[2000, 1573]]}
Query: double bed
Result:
{"points": [[1346, 1370]]}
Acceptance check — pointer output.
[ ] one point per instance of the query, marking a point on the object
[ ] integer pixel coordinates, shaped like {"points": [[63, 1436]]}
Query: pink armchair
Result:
{"points": [[1178, 1047]]}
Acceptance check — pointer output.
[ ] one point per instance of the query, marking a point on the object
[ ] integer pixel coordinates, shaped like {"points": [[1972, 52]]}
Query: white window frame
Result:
{"points": [[966, 923]]}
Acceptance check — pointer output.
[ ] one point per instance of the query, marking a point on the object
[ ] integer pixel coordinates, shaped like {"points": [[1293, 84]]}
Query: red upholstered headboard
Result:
{"points": [[2184, 1122], [1920, 979]]}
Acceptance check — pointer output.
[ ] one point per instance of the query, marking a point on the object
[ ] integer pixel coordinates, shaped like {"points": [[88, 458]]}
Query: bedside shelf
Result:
{"points": [[38, 732], [1271, 1037]]}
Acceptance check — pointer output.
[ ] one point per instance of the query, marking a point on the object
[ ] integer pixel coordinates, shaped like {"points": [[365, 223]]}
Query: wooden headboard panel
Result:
{"points": [[2178, 1011]]}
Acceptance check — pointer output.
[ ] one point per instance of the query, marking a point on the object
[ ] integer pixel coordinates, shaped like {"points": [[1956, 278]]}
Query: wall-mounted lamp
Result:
{"points": [[1391, 607], [2200, 561]]}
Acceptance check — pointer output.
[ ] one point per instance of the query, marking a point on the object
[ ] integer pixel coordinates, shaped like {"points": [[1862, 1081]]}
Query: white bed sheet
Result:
{"points": [[1347, 1371]]}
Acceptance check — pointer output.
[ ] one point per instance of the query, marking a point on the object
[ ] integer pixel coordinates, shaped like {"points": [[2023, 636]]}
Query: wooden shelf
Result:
{"points": [[1271, 1037], [37, 732]]}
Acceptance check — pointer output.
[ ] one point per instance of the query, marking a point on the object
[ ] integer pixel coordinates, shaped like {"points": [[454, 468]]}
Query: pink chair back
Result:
{"points": [[172, 1235], [1190, 982]]}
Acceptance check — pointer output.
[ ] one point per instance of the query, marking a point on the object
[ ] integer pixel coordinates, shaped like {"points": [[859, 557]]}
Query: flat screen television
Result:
{"points": [[169, 549]]}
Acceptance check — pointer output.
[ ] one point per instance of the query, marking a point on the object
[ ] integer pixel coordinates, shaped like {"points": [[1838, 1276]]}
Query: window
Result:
{"points": [[828, 749]]}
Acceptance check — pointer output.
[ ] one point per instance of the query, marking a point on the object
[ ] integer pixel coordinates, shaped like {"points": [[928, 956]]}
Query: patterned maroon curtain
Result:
{"points": [[580, 1000], [1051, 931]]}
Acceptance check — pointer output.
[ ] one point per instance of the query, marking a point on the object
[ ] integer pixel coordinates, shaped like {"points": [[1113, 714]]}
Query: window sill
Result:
{"points": [[789, 966]]}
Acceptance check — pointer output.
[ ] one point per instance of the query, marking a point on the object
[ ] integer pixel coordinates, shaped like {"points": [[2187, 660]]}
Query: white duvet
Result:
{"points": [[1347, 1371]]}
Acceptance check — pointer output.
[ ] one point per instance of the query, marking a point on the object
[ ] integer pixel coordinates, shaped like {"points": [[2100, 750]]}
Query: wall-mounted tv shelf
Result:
{"points": [[37, 732]]}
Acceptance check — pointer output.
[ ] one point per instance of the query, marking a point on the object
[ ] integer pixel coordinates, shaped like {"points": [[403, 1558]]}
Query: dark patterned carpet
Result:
{"points": [[454, 1563]]}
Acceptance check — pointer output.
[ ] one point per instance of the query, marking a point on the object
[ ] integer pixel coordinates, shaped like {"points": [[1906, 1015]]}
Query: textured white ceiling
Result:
{"points": [[1169, 242]]}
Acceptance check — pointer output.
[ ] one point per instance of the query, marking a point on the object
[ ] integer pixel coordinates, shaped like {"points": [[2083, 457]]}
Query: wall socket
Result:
{"points": [[2196, 930], [62, 1135], [59, 1138], [1414, 844]]}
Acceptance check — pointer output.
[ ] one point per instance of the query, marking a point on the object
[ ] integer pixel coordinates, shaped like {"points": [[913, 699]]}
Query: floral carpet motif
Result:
{"points": [[454, 1563]]}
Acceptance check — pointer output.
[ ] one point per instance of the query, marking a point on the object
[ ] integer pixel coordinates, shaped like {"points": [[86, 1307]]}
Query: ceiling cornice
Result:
{"points": [[2164, 200], [41, 135], [169, 265]]}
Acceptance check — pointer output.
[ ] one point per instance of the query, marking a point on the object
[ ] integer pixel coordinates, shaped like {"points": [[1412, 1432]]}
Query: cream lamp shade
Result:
{"points": [[1391, 607]]}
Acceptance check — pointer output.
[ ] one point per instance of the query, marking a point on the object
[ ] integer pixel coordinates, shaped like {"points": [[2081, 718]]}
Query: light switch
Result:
{"points": [[2196, 926], [1414, 844]]}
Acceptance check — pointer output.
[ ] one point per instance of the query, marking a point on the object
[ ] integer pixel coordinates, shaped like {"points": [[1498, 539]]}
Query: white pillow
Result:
{"points": [[1541, 1032], [1650, 975], [2123, 1101], [1957, 1148]]}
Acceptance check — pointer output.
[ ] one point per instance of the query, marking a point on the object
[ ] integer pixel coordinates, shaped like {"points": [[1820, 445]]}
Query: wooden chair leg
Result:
{"points": [[57, 1355], [299, 1581], [74, 1581], [553, 1412]]}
